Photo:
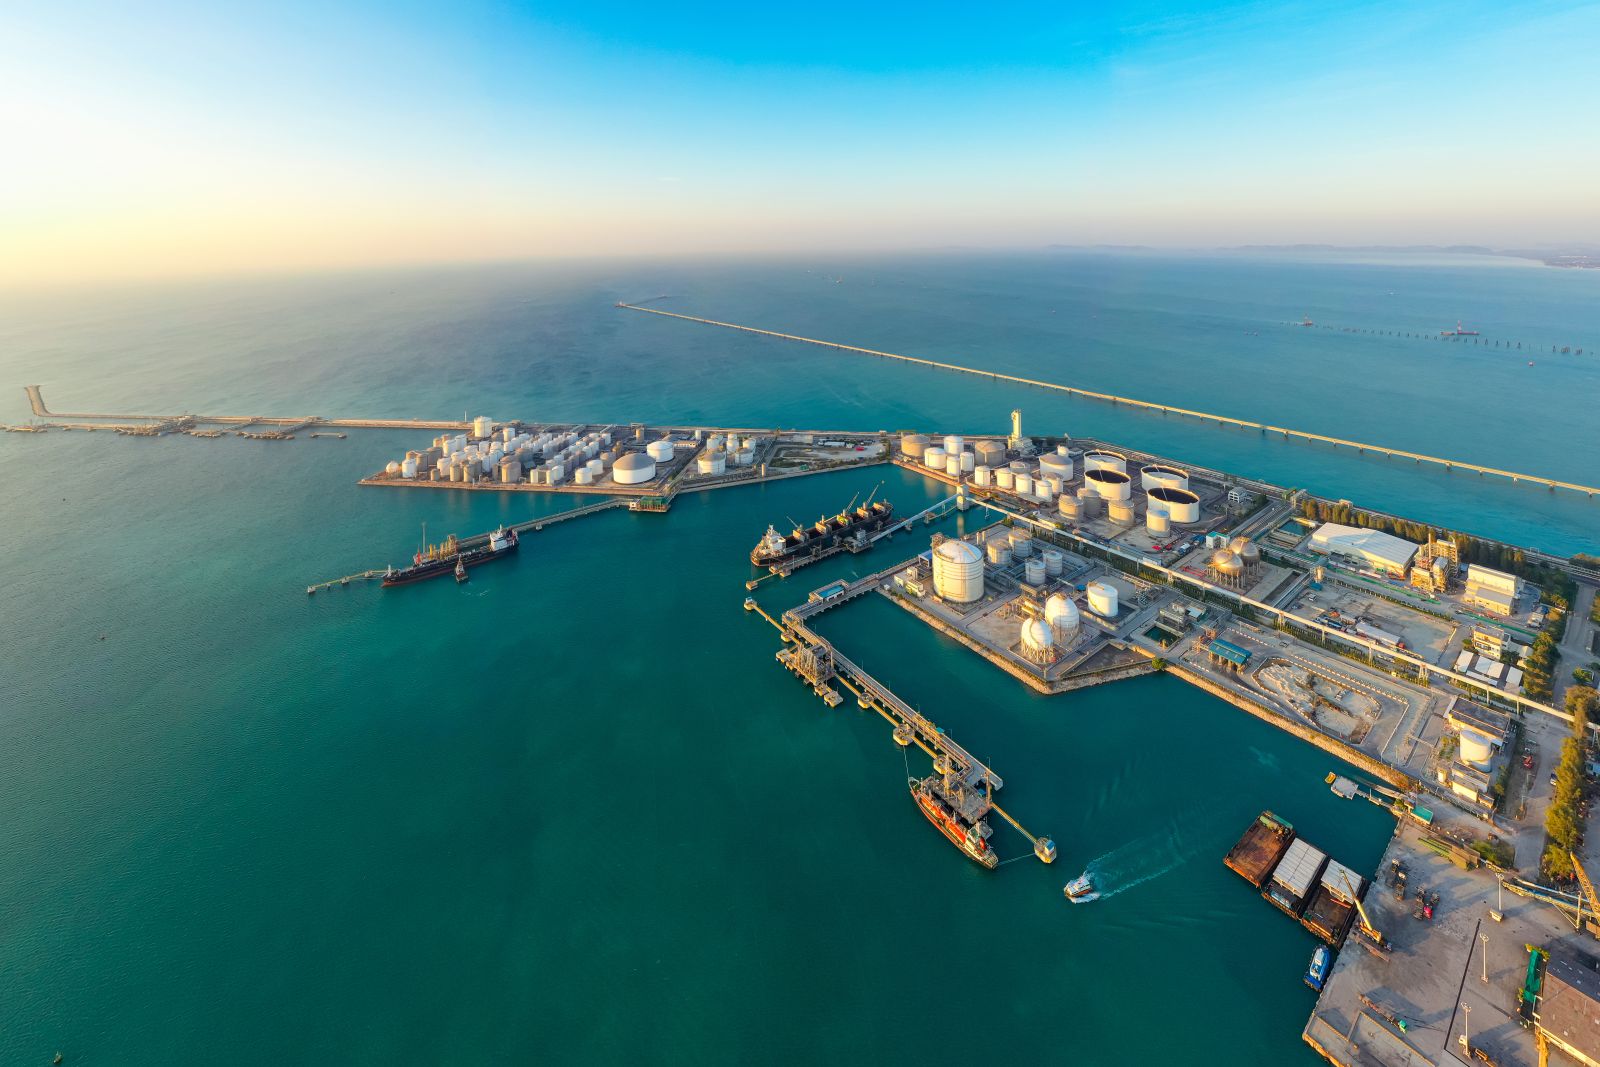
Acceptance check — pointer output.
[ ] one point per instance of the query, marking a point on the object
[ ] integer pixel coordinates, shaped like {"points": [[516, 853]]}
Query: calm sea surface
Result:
{"points": [[572, 812]]}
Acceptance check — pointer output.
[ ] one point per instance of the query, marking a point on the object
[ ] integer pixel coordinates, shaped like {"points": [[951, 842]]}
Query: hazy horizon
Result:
{"points": [[181, 140]]}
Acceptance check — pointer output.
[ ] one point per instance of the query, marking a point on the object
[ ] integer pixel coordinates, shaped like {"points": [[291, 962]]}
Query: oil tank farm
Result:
{"points": [[990, 453], [1180, 505], [958, 571], [1161, 476], [1108, 484]]}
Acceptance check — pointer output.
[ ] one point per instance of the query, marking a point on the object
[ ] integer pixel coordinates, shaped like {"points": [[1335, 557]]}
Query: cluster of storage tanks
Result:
{"points": [[506, 454], [723, 451], [1107, 484], [1233, 562]]}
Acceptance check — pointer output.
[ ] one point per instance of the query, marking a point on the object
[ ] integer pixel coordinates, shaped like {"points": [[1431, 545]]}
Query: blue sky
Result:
{"points": [[187, 138]]}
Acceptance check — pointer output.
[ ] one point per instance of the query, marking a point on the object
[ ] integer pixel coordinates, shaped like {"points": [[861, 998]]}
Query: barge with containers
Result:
{"points": [[1331, 909], [778, 550], [450, 557], [1295, 877], [1259, 850]]}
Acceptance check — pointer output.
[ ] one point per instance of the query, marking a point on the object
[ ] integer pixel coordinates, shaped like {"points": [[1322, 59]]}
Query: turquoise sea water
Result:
{"points": [[572, 811]]}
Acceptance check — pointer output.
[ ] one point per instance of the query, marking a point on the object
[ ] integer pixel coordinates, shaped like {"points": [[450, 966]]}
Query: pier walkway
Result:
{"points": [[1166, 409]]}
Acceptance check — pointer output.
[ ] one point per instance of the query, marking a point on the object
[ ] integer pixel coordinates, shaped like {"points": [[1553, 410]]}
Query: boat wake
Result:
{"points": [[1149, 857]]}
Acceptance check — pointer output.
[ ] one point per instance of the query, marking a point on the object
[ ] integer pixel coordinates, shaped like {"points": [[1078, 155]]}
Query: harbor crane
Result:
{"points": [[1586, 896], [1373, 937]]}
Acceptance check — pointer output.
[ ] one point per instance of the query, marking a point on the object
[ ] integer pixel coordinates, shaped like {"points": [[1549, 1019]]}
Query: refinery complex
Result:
{"points": [[1390, 644]]}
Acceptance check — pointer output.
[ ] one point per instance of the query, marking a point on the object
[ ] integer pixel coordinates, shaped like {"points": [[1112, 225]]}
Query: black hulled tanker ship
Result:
{"points": [[451, 558], [781, 550]]}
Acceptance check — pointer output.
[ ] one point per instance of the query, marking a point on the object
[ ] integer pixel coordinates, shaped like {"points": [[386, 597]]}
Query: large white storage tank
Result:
{"points": [[990, 453], [1120, 512], [408, 469], [1056, 466], [1069, 507], [1021, 542], [1024, 484], [983, 476], [1103, 599], [934, 458], [1105, 461], [1054, 562], [1476, 749], [1062, 614], [631, 469], [1005, 478], [999, 552], [482, 427], [968, 463], [660, 451], [712, 462], [1159, 475], [954, 444], [582, 476], [1156, 521], [1180, 505], [1033, 571], [1108, 484], [913, 445], [952, 465], [958, 571]]}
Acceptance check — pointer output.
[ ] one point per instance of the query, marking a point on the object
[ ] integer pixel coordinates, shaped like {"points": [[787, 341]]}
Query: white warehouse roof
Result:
{"points": [[1378, 548]]}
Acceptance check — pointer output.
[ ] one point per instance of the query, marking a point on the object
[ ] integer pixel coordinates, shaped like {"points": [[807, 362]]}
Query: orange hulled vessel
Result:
{"points": [[959, 813]]}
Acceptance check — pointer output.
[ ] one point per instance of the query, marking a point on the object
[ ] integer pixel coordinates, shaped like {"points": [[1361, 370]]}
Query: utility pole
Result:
{"points": [[1465, 1030], [1485, 939]]}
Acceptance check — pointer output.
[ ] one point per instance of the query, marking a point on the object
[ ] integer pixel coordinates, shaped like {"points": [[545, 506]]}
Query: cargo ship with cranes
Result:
{"points": [[829, 532], [450, 557]]}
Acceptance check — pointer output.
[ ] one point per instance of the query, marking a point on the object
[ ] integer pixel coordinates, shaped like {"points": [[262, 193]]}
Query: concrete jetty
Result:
{"points": [[1166, 409]]}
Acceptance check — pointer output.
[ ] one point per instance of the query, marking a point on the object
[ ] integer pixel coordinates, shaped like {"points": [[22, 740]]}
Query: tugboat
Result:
{"points": [[945, 811], [436, 560], [1317, 972], [1081, 889], [779, 550]]}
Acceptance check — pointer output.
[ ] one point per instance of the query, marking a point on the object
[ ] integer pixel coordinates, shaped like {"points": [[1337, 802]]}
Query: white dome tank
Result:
{"points": [[1056, 466], [392, 467], [1021, 542], [1024, 484], [990, 453], [482, 426], [1054, 561], [983, 476], [952, 465], [954, 444], [1476, 749], [1069, 506], [1061, 613], [1156, 521], [744, 457], [968, 463], [913, 445], [583, 477], [934, 458], [1005, 478], [660, 451], [958, 572], [1103, 599], [999, 552], [595, 467], [1033, 571], [630, 469], [712, 463], [1036, 636], [1120, 511]]}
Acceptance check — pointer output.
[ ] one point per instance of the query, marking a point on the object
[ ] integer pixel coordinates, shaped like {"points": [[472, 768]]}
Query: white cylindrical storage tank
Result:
{"points": [[1061, 613], [968, 463], [712, 463], [1054, 561], [952, 466], [1159, 475], [990, 453], [714, 442], [1024, 484], [1476, 749], [1056, 467], [1043, 491], [510, 471], [1103, 599], [595, 467], [631, 469], [1019, 467], [744, 457], [933, 458], [1033, 571], [1055, 483], [660, 451], [913, 445], [1021, 542], [409, 468], [1108, 484], [999, 551], [954, 443], [482, 426], [1156, 521], [583, 477], [556, 473], [1120, 512], [958, 571], [1069, 507], [1105, 461], [1005, 478], [1180, 505], [982, 476]]}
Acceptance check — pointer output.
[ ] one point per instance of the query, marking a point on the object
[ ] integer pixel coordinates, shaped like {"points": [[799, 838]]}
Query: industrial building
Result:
{"points": [[1568, 1008], [1493, 591], [1480, 756], [1383, 552], [1227, 654]]}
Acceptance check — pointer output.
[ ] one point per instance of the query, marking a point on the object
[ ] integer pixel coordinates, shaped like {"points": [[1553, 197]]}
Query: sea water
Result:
{"points": [[572, 811]]}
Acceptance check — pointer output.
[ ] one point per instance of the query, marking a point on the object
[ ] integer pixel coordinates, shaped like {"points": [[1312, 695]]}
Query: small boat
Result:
{"points": [[461, 570], [1081, 889], [1317, 971]]}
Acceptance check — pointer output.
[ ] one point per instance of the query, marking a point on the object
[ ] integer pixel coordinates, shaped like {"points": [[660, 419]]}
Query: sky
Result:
{"points": [[161, 139]]}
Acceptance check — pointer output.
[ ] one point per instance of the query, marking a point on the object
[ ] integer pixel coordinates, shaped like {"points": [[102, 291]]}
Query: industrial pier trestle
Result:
{"points": [[815, 660]]}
